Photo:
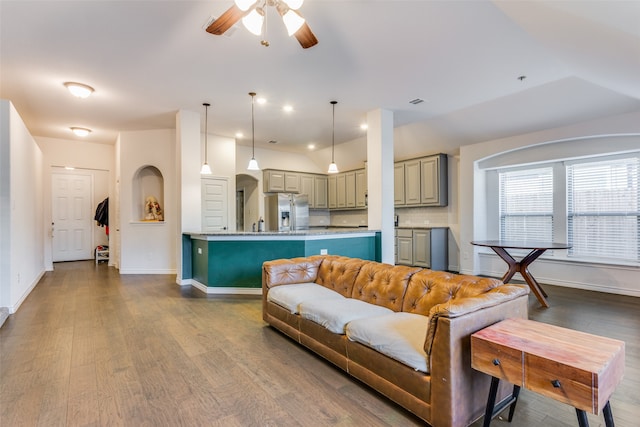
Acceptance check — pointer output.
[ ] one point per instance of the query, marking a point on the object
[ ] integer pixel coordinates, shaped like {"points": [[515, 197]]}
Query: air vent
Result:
{"points": [[273, 142], [416, 101]]}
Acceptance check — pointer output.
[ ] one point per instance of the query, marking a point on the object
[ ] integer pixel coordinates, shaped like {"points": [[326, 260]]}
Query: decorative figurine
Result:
{"points": [[152, 209]]}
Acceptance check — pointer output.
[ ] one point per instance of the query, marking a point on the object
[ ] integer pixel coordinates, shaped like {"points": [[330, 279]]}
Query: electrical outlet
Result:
{"points": [[199, 251]]}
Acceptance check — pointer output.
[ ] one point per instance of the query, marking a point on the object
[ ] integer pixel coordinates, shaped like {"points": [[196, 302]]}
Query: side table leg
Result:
{"points": [[512, 408], [608, 416], [582, 418], [491, 401]]}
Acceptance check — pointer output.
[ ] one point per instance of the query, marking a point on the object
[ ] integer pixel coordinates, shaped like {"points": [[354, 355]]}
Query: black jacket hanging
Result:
{"points": [[102, 213]]}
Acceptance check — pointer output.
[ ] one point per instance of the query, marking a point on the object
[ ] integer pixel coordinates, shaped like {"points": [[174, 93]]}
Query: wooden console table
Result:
{"points": [[536, 249], [569, 366]]}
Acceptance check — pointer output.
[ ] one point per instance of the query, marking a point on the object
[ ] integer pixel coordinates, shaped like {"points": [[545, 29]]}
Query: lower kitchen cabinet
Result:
{"points": [[423, 247]]}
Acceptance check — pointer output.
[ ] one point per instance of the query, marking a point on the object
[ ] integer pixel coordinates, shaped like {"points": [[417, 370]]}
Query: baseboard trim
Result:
{"points": [[211, 290]]}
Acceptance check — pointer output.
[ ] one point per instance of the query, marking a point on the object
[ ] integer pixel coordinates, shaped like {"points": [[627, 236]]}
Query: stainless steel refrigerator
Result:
{"points": [[286, 212]]}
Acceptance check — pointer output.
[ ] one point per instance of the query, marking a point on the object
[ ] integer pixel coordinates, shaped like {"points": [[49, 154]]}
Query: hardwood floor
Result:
{"points": [[91, 348]]}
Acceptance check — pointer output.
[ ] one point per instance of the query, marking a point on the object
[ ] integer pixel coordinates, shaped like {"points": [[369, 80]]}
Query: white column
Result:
{"points": [[188, 162], [380, 179]]}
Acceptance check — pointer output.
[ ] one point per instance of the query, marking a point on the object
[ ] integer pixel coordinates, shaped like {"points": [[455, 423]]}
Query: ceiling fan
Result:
{"points": [[253, 16]]}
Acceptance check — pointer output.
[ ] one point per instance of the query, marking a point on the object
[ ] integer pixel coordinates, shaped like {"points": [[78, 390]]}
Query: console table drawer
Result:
{"points": [[562, 382], [497, 360]]}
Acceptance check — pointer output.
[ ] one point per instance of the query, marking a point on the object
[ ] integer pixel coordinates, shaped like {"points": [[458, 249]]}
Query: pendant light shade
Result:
{"points": [[333, 168], [206, 169], [253, 163]]}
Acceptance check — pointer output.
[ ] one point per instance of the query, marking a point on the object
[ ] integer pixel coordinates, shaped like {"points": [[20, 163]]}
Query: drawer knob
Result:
{"points": [[496, 362], [555, 383]]}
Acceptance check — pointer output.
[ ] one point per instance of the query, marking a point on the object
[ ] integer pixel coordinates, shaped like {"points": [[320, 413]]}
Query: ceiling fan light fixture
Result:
{"points": [[293, 4], [244, 5], [254, 21], [80, 131], [79, 90], [293, 21]]}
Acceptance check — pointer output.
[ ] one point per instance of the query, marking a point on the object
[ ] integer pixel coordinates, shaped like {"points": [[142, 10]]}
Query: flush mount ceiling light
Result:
{"points": [[253, 163], [206, 169], [333, 168], [78, 89], [80, 131], [253, 17]]}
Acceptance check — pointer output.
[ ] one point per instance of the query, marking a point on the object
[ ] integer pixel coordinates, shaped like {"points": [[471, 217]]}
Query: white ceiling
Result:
{"points": [[147, 59]]}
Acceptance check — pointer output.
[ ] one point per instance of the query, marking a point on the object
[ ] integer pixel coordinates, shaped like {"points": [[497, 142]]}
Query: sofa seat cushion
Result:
{"points": [[398, 335], [335, 314], [291, 296]]}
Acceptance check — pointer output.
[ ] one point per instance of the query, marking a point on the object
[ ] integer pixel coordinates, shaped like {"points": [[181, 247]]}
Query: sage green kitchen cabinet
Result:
{"points": [[307, 187], [361, 188], [421, 182], [350, 189], [423, 247], [320, 190], [332, 188], [404, 244], [434, 188], [398, 184], [412, 182], [278, 181]]}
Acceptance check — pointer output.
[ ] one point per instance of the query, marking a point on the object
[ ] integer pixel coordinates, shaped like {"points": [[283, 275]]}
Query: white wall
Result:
{"points": [[95, 160], [21, 220], [147, 247], [472, 196]]}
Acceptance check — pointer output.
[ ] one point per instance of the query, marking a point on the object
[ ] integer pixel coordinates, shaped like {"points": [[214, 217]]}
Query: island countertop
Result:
{"points": [[283, 235]]}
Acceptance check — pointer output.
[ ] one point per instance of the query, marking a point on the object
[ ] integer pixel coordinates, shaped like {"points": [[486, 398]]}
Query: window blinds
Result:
{"points": [[603, 214], [526, 204]]}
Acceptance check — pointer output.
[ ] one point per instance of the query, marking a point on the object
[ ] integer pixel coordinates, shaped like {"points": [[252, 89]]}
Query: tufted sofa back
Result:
{"points": [[339, 273], [383, 284], [428, 288]]}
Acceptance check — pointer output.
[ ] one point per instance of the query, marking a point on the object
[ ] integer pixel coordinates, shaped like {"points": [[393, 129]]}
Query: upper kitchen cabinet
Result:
{"points": [[278, 181], [421, 182], [348, 190], [314, 186]]}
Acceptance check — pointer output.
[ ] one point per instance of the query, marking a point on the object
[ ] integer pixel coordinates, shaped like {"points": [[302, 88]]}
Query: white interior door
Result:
{"points": [[72, 217], [214, 204]]}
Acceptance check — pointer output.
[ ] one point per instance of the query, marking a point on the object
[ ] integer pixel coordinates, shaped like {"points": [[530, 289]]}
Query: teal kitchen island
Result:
{"points": [[231, 262]]}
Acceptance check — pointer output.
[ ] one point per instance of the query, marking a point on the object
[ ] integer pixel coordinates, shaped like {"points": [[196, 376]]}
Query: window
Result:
{"points": [[526, 204], [603, 209]]}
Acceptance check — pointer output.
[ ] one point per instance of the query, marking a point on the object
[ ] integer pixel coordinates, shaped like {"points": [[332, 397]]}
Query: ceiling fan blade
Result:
{"points": [[306, 37], [225, 21]]}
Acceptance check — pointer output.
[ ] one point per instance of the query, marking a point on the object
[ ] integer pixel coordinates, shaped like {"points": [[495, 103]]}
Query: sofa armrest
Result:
{"points": [[457, 391], [457, 307], [290, 271]]}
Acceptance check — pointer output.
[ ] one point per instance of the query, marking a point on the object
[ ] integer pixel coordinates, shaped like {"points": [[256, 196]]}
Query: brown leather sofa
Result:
{"points": [[451, 394]]}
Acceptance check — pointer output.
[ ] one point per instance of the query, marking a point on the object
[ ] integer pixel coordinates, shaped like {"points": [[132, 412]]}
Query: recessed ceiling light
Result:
{"points": [[311, 146], [78, 89], [261, 100], [364, 126], [80, 131], [239, 134], [287, 108]]}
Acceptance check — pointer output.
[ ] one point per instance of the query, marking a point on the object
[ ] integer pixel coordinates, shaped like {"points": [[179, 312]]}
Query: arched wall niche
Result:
{"points": [[148, 181]]}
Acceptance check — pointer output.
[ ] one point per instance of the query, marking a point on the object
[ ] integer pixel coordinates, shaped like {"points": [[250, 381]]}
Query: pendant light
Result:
{"points": [[333, 168], [253, 164], [206, 170]]}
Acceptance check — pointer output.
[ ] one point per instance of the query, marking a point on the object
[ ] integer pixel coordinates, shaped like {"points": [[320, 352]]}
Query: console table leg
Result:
{"points": [[608, 416], [491, 402], [582, 418]]}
